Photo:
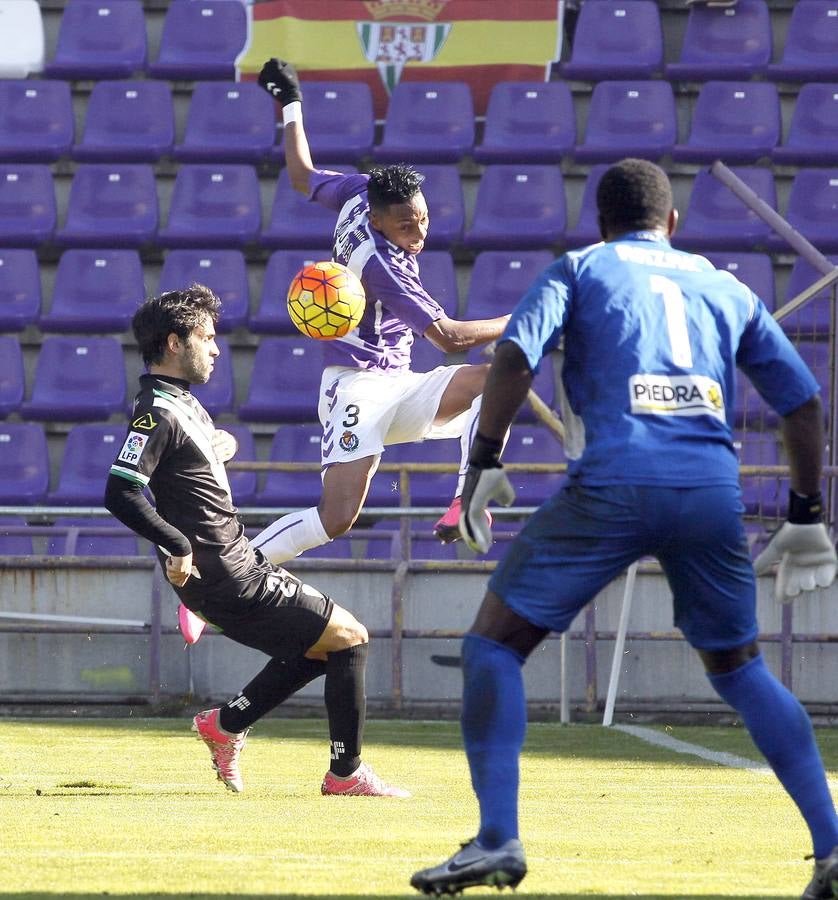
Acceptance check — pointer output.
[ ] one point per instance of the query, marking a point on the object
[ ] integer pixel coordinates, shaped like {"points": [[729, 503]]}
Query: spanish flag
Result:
{"points": [[382, 42]]}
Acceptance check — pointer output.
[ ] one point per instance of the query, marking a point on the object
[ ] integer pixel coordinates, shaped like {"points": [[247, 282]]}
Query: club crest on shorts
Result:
{"points": [[348, 441]]}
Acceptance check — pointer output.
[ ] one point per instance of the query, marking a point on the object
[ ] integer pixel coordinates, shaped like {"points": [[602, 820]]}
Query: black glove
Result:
{"points": [[280, 80], [485, 481]]}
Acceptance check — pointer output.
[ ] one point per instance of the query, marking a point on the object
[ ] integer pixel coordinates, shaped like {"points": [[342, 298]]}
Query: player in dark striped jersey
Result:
{"points": [[173, 448]]}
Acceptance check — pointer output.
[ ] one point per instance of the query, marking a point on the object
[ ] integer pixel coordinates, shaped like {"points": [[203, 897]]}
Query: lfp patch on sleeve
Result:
{"points": [[133, 448]]}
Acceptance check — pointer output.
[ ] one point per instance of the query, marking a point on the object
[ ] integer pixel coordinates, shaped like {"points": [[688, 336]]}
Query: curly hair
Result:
{"points": [[632, 195], [175, 312], [393, 184]]}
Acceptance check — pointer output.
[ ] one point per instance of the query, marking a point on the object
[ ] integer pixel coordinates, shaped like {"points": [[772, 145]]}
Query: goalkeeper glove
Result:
{"points": [[803, 548], [485, 481], [280, 80]]}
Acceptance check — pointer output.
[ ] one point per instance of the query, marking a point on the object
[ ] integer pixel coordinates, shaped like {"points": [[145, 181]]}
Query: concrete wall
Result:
{"points": [[85, 666]]}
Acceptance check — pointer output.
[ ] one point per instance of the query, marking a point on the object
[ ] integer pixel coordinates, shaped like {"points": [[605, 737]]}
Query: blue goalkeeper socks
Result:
{"points": [[783, 733], [494, 723]]}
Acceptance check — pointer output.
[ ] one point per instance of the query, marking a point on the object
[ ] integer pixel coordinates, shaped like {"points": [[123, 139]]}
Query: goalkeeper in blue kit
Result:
{"points": [[652, 340]]}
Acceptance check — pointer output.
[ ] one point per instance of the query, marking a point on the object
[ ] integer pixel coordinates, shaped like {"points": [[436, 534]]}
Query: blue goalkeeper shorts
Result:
{"points": [[584, 537]]}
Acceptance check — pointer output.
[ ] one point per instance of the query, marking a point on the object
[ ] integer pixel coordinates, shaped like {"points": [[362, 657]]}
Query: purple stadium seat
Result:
{"points": [[427, 122], [544, 384], [444, 194], [36, 120], [24, 463], [14, 544], [813, 132], [285, 381], [436, 269], [717, 219], [27, 205], [430, 548], [810, 52], [201, 39], [339, 548], [228, 121], [426, 488], [586, 231], [96, 291], [219, 394], [74, 542], [753, 269], [111, 205], [213, 205], [736, 121], [760, 494], [518, 207], [100, 39], [297, 222], [818, 356], [272, 316], [732, 42], [528, 122], [242, 484], [814, 319], [20, 289], [127, 121], [12, 378], [293, 443], [424, 356], [499, 279], [629, 118], [812, 209], [340, 124], [223, 271], [533, 444], [616, 40], [78, 379], [89, 452]]}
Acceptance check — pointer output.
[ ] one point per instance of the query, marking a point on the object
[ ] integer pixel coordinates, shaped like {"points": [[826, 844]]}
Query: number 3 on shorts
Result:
{"points": [[351, 419]]}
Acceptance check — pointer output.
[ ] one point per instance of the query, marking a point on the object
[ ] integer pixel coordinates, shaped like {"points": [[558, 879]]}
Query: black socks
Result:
{"points": [[346, 706]]}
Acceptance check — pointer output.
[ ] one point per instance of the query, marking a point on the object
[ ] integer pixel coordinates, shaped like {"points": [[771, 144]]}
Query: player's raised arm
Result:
{"points": [[280, 80], [454, 335]]}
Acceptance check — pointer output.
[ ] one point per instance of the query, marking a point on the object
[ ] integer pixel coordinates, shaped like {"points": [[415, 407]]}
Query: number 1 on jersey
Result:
{"points": [[676, 319]]}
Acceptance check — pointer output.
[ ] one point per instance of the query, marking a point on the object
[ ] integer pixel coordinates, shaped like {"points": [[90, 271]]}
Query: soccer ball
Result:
{"points": [[326, 300]]}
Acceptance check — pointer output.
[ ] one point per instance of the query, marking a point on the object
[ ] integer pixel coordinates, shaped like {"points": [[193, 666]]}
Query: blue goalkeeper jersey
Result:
{"points": [[652, 338]]}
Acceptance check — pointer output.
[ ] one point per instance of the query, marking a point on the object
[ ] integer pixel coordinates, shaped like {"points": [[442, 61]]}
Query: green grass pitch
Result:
{"points": [[131, 808]]}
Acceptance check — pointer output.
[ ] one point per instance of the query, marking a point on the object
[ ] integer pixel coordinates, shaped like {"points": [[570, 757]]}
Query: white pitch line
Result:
{"points": [[717, 756]]}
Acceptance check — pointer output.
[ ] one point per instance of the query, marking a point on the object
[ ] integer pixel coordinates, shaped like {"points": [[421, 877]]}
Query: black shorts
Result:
{"points": [[283, 618]]}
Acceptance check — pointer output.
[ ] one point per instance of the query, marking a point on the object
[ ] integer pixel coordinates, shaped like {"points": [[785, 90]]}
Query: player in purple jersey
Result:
{"points": [[652, 339], [369, 398]]}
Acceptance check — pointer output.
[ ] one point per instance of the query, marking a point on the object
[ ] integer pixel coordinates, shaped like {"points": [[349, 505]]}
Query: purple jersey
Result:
{"points": [[397, 304]]}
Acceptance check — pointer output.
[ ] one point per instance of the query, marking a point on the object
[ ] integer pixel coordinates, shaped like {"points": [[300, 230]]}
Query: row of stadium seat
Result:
{"points": [[90, 449], [517, 207], [107, 39], [84, 380], [97, 291], [202, 38], [78, 536], [526, 122]]}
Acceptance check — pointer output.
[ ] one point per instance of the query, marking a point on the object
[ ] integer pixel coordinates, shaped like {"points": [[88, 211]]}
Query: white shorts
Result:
{"points": [[363, 411]]}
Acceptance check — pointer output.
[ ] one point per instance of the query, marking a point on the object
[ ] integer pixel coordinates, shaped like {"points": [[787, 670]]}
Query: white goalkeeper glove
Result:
{"points": [[485, 481], [803, 549]]}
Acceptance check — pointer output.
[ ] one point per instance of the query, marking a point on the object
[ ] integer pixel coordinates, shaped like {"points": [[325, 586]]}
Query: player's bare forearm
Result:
{"points": [[298, 157], [506, 389], [454, 336], [803, 437]]}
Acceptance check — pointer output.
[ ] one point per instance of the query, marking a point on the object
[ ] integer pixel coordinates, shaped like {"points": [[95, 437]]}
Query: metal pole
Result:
{"points": [[564, 702], [619, 645]]}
